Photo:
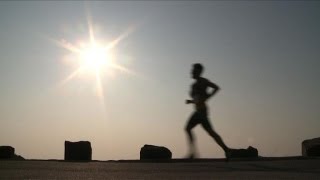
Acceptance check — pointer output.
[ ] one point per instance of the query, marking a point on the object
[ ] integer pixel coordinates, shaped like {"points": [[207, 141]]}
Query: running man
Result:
{"points": [[199, 96]]}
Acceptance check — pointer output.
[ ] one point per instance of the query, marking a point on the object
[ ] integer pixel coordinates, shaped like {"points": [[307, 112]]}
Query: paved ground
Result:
{"points": [[206, 169]]}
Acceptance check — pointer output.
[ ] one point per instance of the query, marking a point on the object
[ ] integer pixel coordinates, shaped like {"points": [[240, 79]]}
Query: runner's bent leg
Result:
{"points": [[207, 126]]}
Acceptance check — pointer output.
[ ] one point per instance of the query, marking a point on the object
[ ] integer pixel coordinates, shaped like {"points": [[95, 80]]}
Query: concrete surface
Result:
{"points": [[206, 169]]}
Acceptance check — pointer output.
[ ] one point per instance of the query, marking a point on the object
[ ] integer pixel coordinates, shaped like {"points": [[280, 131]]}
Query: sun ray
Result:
{"points": [[123, 69], [122, 36], [90, 28], [99, 87], [100, 90], [71, 76], [66, 45], [89, 22]]}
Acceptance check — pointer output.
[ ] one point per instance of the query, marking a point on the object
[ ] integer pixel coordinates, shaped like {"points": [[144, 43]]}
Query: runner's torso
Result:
{"points": [[199, 93]]}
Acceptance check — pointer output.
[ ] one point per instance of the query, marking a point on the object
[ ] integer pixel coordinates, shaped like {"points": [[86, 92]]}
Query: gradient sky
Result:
{"points": [[263, 55]]}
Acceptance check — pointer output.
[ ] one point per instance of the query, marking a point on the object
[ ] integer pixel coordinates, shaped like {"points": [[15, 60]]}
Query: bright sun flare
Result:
{"points": [[95, 58]]}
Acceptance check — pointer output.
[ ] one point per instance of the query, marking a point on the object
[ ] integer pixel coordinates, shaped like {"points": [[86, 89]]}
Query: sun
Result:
{"points": [[95, 58]]}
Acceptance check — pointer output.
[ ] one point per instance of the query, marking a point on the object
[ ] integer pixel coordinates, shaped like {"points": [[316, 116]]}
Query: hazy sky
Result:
{"points": [[263, 55]]}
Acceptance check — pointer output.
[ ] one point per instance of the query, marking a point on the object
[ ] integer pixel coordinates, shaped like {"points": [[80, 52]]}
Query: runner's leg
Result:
{"points": [[193, 121], [207, 126]]}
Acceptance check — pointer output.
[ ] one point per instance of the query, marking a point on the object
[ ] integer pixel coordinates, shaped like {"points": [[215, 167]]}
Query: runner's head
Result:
{"points": [[197, 70]]}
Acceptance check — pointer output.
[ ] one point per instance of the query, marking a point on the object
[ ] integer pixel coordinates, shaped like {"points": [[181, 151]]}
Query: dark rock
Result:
{"points": [[250, 152], [77, 151], [154, 152], [311, 147], [6, 152], [17, 158]]}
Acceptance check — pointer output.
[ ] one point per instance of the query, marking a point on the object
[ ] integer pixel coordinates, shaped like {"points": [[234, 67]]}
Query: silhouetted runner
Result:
{"points": [[199, 96]]}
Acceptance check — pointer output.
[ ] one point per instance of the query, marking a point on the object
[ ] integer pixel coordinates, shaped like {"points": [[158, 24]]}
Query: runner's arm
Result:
{"points": [[215, 89], [188, 101]]}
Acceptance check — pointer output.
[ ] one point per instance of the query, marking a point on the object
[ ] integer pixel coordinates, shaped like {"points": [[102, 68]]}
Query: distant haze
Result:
{"points": [[263, 55]]}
